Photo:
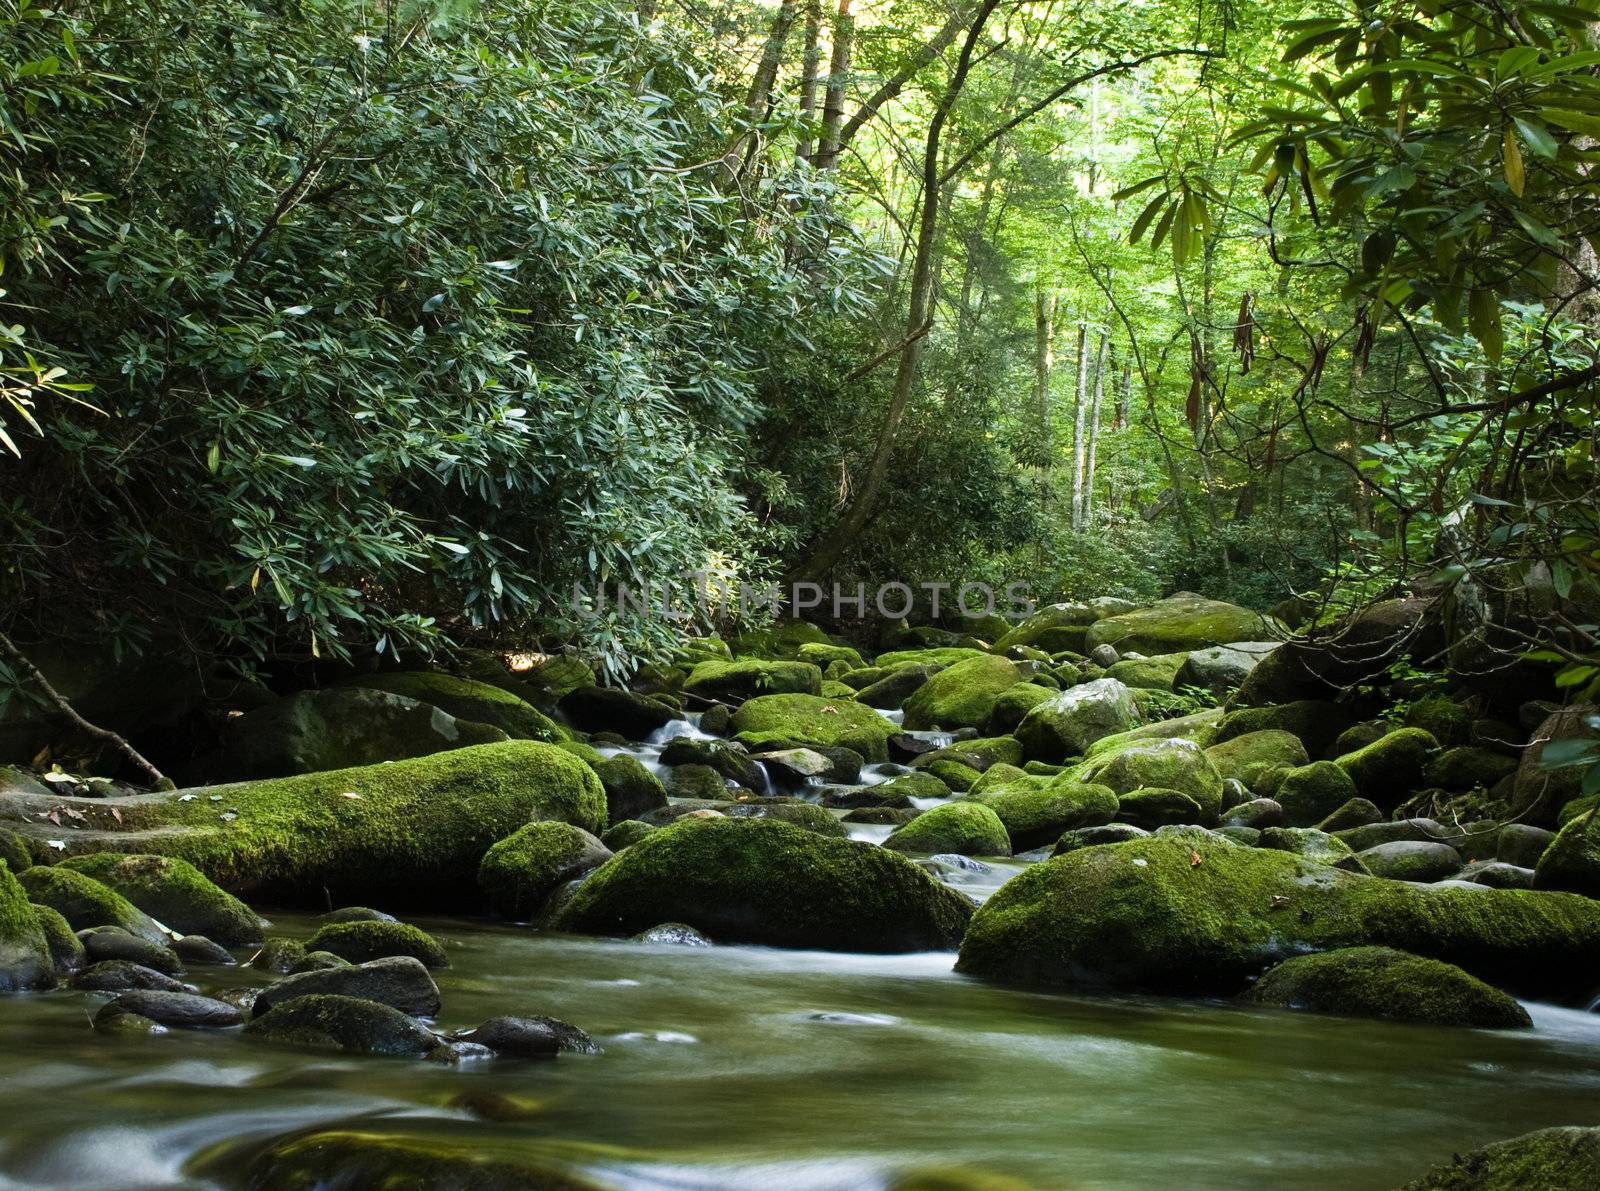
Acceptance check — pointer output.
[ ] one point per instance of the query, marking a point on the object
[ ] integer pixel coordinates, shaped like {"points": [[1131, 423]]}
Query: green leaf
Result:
{"points": [[1540, 142], [1483, 319]]}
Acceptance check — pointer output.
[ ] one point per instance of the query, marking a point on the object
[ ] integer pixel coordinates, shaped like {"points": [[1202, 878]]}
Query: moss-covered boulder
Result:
{"points": [[775, 721], [735, 681], [893, 688], [1468, 767], [25, 959], [1391, 767], [14, 851], [66, 949], [359, 942], [1411, 860], [1384, 983], [317, 731], [174, 893], [794, 811], [1195, 917], [1252, 756], [1560, 1159], [468, 699], [407, 834], [1053, 628], [754, 881], [631, 789], [1316, 722], [1157, 673], [1175, 764], [1358, 812], [1036, 810], [398, 981], [1219, 669], [85, 902], [628, 713], [326, 1021], [962, 695], [1178, 624], [1012, 705], [520, 872], [1443, 718], [965, 828], [1310, 793], [780, 639], [1152, 807], [1572, 860], [345, 1160], [1310, 843], [1067, 723], [826, 654]]}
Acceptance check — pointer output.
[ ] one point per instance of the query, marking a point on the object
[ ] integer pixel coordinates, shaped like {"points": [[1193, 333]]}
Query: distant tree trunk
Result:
{"points": [[766, 74], [1124, 396], [831, 548], [892, 86], [1078, 445], [808, 76], [1094, 419], [646, 10], [1044, 333], [838, 74]]}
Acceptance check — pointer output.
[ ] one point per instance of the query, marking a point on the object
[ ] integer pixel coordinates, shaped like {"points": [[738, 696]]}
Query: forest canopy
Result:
{"points": [[334, 326]]}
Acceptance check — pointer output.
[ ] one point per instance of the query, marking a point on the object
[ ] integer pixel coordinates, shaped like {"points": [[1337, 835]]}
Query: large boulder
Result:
{"points": [[1561, 1159], [1391, 767], [1157, 673], [964, 828], [1219, 669], [1178, 624], [1053, 628], [1258, 759], [745, 678], [1177, 764], [1385, 983], [1066, 724], [961, 696], [607, 709], [407, 834], [469, 699], [520, 872], [399, 981], [174, 893], [25, 960], [777, 721], [1359, 648], [85, 902], [1572, 860], [1315, 722], [1310, 793], [1193, 916], [632, 791], [328, 1021], [755, 881], [1539, 793], [362, 940], [896, 686], [1036, 810]]}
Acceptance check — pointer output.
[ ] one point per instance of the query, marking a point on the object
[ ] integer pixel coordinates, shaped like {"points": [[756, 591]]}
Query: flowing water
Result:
{"points": [[752, 1068]]}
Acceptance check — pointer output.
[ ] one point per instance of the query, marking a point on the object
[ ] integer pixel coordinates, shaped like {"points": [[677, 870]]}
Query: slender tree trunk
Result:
{"points": [[1094, 419], [1124, 397], [844, 27], [761, 85], [808, 76], [940, 42], [832, 547], [1044, 337], [1078, 411]]}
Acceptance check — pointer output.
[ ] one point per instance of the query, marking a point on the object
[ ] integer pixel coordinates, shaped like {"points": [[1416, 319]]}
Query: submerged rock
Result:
{"points": [[197, 949], [762, 882], [1382, 982], [673, 934], [349, 1161], [331, 1022], [175, 1010], [115, 975], [111, 943]]}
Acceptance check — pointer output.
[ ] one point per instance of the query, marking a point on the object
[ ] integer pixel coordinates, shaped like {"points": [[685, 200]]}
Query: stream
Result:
{"points": [[752, 1068]]}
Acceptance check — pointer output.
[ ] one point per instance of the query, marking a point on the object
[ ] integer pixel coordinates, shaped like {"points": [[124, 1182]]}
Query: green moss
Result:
{"points": [[405, 834], [348, 1159], [631, 789], [919, 783], [85, 902], [1468, 768], [520, 872], [810, 720], [1199, 727], [941, 656], [25, 955], [1312, 844], [468, 699], [1442, 718], [955, 775], [1390, 768], [556, 677], [1152, 807], [1251, 756], [734, 681], [1066, 724], [1149, 674], [174, 893], [586, 753], [625, 834], [1317, 723], [1384, 983], [1358, 812], [781, 639], [1184, 916], [1561, 1159], [1572, 861], [826, 655], [807, 816], [1052, 628], [66, 951], [360, 941], [324, 1021], [14, 852], [761, 882], [966, 828], [961, 696], [1179, 624], [1037, 810], [1310, 793], [1176, 764]]}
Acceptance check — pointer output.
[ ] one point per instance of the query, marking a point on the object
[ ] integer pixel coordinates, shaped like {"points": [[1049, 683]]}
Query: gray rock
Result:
{"points": [[399, 982], [1104, 655], [330, 1022], [1388, 832], [116, 975], [1522, 844], [1257, 813], [110, 943], [175, 1010], [1066, 724], [1222, 668], [1498, 875], [1089, 837], [1412, 860], [317, 961], [531, 1037], [197, 949], [356, 914]]}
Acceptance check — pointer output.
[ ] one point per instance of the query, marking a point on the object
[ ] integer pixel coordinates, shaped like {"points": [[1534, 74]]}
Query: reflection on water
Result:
{"points": [[742, 1067]]}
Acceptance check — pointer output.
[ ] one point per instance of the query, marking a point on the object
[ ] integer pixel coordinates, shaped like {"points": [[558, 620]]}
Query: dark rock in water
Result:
{"points": [[596, 708], [1411, 860], [675, 934], [1089, 837], [197, 949], [356, 914], [278, 955], [727, 758], [399, 982], [173, 892], [1385, 983], [317, 961], [631, 789], [854, 798], [905, 747], [361, 941], [85, 902], [331, 1022], [348, 1161], [714, 719], [115, 975], [1561, 1159], [532, 1036], [175, 1010], [1258, 813], [520, 872], [1522, 845], [115, 944]]}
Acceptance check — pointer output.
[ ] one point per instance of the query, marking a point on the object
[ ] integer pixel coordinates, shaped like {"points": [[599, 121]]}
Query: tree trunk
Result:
{"points": [[893, 86], [1078, 445], [1124, 397], [1094, 419], [808, 77], [832, 547], [838, 74], [761, 85], [1044, 332]]}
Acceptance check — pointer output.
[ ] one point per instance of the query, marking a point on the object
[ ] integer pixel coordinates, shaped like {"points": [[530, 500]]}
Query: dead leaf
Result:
{"points": [[116, 814], [830, 710], [351, 794], [1195, 859], [54, 818]]}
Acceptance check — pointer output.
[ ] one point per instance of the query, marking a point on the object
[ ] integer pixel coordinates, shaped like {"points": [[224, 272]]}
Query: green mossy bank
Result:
{"points": [[410, 833]]}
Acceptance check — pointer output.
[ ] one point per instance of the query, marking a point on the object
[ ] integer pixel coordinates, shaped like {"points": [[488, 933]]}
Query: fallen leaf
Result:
{"points": [[351, 794], [60, 845], [1195, 859], [54, 818], [116, 814]]}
